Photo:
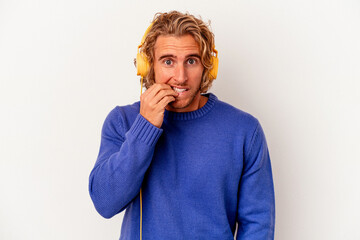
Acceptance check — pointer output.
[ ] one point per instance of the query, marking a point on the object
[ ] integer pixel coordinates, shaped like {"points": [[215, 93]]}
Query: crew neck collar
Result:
{"points": [[194, 114]]}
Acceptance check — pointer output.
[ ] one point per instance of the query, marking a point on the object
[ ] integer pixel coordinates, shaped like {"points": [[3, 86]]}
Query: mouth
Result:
{"points": [[179, 90]]}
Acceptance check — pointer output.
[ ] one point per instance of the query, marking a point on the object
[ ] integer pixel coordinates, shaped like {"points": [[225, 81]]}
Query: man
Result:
{"points": [[183, 164]]}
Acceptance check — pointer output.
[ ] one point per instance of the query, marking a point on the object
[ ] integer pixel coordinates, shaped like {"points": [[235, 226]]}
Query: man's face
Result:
{"points": [[177, 63]]}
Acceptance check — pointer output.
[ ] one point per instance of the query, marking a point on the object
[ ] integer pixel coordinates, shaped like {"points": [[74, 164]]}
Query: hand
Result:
{"points": [[153, 102]]}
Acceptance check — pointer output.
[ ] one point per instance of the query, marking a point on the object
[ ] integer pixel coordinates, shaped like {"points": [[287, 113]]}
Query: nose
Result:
{"points": [[180, 73]]}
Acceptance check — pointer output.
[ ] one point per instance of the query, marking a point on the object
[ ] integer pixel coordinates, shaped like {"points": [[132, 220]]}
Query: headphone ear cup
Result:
{"points": [[142, 65], [214, 70]]}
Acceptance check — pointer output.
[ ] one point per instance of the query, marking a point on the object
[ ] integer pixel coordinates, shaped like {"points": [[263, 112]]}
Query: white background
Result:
{"points": [[65, 64]]}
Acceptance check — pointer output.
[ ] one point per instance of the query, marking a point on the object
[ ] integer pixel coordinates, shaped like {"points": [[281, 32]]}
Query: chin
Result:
{"points": [[179, 104]]}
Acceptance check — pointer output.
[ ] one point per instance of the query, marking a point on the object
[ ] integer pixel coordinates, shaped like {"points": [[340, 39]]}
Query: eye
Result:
{"points": [[191, 61], [168, 62]]}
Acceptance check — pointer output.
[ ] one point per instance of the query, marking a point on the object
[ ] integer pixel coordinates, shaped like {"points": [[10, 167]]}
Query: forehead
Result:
{"points": [[171, 44]]}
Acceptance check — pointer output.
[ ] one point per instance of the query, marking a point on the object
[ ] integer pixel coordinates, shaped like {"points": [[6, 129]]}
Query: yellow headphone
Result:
{"points": [[143, 66]]}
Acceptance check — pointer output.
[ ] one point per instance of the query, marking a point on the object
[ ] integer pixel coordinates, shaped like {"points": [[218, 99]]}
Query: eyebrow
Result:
{"points": [[173, 56], [166, 56]]}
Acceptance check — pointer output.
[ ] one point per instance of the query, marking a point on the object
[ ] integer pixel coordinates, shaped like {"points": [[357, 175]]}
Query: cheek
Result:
{"points": [[162, 76], [197, 74]]}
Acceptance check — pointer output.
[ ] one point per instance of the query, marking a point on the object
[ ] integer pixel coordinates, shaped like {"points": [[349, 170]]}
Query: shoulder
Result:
{"points": [[235, 116], [245, 127], [123, 112], [120, 118]]}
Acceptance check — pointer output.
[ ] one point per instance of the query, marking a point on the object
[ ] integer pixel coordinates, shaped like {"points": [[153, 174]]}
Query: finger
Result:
{"points": [[155, 102], [158, 91], [159, 86], [165, 101], [162, 93], [154, 90]]}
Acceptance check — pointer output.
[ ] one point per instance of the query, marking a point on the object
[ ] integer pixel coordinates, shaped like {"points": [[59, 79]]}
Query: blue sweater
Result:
{"points": [[200, 173]]}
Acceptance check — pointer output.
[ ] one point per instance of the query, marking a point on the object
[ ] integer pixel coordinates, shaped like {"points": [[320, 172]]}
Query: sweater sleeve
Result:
{"points": [[121, 164], [256, 206]]}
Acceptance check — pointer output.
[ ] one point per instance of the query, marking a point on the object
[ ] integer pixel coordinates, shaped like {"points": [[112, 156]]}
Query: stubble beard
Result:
{"points": [[187, 104]]}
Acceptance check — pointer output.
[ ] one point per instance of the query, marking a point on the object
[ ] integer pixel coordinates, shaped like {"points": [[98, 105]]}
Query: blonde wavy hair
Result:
{"points": [[178, 24]]}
